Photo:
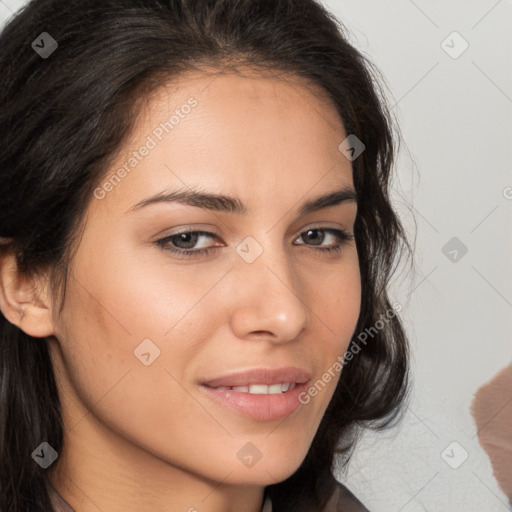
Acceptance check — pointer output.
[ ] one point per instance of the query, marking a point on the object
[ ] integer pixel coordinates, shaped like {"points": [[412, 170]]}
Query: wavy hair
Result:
{"points": [[63, 118]]}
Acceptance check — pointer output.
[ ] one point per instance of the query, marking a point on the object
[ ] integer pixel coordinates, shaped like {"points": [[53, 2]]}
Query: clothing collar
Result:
{"points": [[60, 505], [267, 505]]}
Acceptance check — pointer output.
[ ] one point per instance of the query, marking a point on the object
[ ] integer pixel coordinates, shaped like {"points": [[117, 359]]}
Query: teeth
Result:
{"points": [[262, 389], [258, 389], [275, 389]]}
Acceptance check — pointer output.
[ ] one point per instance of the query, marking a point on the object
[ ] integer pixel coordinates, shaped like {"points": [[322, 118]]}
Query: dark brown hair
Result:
{"points": [[64, 117]]}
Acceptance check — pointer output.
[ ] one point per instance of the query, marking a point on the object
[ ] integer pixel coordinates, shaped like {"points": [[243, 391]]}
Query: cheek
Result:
{"points": [[335, 307], [140, 296], [337, 303], [125, 313], [114, 384]]}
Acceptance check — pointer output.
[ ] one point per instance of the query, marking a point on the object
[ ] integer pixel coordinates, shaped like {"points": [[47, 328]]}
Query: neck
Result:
{"points": [[119, 477]]}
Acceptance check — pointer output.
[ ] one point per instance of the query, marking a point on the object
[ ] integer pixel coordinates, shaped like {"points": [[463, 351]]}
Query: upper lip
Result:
{"points": [[266, 376]]}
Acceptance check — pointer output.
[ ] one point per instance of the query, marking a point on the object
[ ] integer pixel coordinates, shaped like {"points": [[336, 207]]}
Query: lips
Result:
{"points": [[259, 377], [263, 394]]}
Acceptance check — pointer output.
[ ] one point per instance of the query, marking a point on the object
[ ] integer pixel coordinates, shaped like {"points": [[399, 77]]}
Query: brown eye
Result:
{"points": [[183, 243], [318, 235]]}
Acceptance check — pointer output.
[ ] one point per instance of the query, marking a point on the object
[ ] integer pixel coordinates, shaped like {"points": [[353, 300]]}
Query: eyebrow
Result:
{"points": [[226, 204]]}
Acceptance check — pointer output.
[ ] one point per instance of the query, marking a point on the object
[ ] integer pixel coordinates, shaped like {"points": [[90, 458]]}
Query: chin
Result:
{"points": [[267, 471]]}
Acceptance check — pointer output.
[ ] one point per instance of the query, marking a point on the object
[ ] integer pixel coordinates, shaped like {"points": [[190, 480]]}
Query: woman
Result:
{"points": [[197, 240]]}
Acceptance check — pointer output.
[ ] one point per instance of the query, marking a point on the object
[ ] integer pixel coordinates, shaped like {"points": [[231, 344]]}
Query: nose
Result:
{"points": [[268, 299]]}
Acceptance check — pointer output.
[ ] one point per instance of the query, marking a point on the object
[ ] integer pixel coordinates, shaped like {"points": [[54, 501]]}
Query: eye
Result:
{"points": [[340, 234], [185, 243]]}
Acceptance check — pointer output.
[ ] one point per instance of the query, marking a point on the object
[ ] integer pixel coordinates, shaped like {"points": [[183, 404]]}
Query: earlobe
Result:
{"points": [[24, 301]]}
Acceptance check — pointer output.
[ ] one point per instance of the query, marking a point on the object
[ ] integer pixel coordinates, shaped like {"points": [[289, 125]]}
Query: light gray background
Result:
{"points": [[452, 178]]}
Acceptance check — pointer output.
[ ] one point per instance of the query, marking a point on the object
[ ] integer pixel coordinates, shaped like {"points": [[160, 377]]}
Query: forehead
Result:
{"points": [[243, 134], [247, 85], [247, 100]]}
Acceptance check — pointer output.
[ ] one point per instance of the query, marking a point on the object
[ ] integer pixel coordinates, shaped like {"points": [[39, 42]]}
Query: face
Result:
{"points": [[168, 300]]}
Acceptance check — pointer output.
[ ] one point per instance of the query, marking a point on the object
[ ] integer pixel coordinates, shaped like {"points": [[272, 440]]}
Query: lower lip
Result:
{"points": [[259, 407]]}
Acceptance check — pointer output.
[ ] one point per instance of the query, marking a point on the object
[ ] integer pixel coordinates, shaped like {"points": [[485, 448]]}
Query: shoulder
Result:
{"points": [[344, 500]]}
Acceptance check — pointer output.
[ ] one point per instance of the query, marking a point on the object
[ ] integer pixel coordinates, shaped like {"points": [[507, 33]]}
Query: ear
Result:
{"points": [[25, 301]]}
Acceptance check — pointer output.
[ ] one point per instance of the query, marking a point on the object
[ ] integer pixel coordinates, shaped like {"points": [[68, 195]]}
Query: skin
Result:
{"points": [[492, 410], [144, 437]]}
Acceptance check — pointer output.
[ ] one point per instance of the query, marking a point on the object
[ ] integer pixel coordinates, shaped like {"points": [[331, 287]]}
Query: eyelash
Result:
{"points": [[163, 243]]}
